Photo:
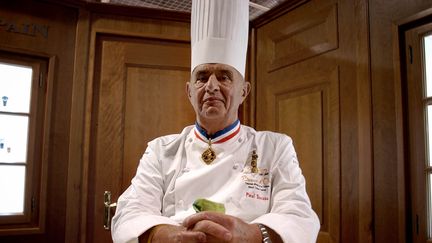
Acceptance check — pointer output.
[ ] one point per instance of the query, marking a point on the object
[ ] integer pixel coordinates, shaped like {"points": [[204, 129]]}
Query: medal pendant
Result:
{"points": [[208, 155], [254, 168]]}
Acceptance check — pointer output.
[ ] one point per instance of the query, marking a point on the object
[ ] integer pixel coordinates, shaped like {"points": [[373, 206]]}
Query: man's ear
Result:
{"points": [[188, 90], [246, 89]]}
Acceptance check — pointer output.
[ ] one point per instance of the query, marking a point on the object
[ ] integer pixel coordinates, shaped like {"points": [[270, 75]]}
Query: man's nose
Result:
{"points": [[212, 84]]}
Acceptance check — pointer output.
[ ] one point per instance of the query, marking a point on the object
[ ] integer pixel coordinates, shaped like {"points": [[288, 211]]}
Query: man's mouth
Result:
{"points": [[212, 99]]}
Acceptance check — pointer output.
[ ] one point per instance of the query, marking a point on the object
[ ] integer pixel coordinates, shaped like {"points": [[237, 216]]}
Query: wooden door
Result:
{"points": [[138, 94], [301, 99], [307, 87]]}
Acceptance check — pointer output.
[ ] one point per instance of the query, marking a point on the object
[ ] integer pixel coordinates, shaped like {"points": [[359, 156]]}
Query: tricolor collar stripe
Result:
{"points": [[228, 129], [220, 136], [228, 137]]}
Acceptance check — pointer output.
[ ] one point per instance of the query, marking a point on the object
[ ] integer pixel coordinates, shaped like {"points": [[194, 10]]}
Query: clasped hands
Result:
{"points": [[208, 227]]}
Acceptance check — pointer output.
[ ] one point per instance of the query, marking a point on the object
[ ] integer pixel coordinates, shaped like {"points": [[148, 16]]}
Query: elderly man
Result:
{"points": [[253, 176]]}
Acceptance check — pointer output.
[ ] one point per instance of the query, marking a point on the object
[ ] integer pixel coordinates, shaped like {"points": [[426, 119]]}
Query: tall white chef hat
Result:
{"points": [[219, 32]]}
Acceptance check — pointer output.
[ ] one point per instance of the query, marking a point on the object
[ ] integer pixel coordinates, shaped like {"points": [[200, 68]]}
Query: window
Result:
{"points": [[23, 135], [418, 49], [427, 67]]}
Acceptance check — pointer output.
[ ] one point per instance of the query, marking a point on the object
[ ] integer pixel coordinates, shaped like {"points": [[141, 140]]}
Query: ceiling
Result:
{"points": [[256, 7]]}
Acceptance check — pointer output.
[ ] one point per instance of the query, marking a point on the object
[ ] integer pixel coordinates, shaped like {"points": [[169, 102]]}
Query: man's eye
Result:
{"points": [[225, 78], [201, 80]]}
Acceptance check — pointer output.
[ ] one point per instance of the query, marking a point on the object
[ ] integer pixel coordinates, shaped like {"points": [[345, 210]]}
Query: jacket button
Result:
{"points": [[235, 166], [185, 170], [180, 203]]}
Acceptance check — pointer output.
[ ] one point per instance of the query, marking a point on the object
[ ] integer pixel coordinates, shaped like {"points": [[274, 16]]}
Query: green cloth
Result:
{"points": [[201, 205]]}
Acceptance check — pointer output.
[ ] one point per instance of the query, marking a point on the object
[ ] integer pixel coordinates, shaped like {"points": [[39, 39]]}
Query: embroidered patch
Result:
{"points": [[259, 181]]}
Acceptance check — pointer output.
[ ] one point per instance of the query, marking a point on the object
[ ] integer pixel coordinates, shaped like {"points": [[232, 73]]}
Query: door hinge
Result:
{"points": [[33, 204], [410, 54], [40, 80]]}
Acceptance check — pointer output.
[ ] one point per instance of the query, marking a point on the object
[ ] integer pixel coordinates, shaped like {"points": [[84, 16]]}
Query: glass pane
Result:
{"points": [[428, 63], [12, 181], [429, 134], [15, 88], [13, 138], [429, 206]]}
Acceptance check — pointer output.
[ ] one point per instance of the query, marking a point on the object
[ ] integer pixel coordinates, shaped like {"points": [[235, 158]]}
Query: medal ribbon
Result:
{"points": [[220, 136]]}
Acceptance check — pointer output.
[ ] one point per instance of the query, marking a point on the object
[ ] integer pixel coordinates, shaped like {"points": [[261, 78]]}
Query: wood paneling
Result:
{"points": [[308, 123], [301, 99], [138, 78], [155, 105], [303, 39], [75, 168], [312, 83], [46, 31]]}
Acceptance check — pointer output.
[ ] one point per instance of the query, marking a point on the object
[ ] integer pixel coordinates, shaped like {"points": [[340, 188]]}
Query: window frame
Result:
{"points": [[416, 103], [33, 218]]}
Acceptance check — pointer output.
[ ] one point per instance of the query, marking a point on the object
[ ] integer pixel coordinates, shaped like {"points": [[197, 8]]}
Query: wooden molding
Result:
{"points": [[276, 12], [122, 10]]}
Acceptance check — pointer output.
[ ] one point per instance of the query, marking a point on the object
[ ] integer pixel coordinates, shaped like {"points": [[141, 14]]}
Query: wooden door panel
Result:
{"points": [[156, 104], [313, 32], [306, 108], [306, 132], [139, 94], [298, 94]]}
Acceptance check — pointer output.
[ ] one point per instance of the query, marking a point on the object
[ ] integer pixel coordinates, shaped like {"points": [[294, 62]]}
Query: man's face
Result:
{"points": [[216, 92]]}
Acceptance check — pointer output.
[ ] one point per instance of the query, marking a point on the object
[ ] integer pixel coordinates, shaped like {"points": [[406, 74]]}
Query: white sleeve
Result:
{"points": [[139, 207], [291, 214]]}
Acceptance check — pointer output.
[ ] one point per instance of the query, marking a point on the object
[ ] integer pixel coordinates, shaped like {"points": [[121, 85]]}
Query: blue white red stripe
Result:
{"points": [[220, 136]]}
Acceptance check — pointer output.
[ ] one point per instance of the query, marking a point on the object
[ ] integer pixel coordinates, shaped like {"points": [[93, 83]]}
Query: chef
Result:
{"points": [[250, 181]]}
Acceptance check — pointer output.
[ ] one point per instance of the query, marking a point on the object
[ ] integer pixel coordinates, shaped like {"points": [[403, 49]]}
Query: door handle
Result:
{"points": [[107, 210]]}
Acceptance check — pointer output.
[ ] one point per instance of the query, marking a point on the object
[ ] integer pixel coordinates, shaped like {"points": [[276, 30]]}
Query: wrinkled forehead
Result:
{"points": [[215, 67]]}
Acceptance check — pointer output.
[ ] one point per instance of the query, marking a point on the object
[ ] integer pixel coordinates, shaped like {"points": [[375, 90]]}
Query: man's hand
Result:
{"points": [[172, 233], [220, 227]]}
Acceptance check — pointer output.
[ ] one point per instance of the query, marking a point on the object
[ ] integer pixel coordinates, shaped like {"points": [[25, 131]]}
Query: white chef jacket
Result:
{"points": [[171, 176]]}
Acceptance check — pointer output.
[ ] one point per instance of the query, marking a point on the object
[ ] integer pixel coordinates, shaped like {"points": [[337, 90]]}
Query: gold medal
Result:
{"points": [[209, 155]]}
